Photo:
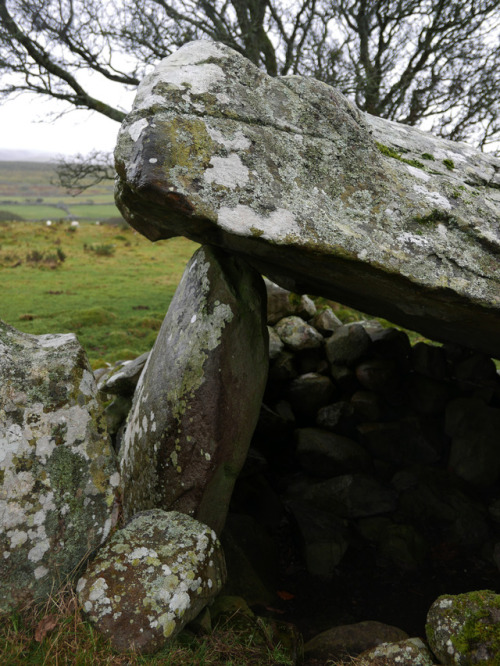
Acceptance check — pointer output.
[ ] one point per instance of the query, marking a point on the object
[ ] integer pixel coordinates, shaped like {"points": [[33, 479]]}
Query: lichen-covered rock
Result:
{"points": [[351, 639], [317, 196], [58, 475], [410, 652], [151, 578], [464, 629], [282, 303], [122, 378], [297, 335], [198, 401]]}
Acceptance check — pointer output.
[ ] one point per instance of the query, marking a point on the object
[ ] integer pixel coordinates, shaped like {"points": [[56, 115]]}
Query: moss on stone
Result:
{"points": [[390, 152], [427, 156], [480, 628], [434, 217], [449, 164]]}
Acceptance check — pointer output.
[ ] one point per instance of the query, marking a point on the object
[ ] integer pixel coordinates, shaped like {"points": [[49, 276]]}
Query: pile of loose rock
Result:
{"points": [[363, 442]]}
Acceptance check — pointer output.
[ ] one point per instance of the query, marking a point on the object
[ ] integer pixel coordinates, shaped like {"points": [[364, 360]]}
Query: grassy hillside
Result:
{"points": [[27, 191], [107, 284]]}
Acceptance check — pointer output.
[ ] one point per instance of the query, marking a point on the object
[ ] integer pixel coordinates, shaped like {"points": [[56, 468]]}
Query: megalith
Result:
{"points": [[287, 174], [198, 400], [58, 475], [151, 578]]}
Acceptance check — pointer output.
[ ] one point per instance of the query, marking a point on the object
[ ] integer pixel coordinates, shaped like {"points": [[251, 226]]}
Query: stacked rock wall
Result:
{"points": [[363, 436], [392, 443]]}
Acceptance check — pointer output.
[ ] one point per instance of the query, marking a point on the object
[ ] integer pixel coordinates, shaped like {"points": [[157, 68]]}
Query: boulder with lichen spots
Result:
{"points": [[151, 578], [58, 476]]}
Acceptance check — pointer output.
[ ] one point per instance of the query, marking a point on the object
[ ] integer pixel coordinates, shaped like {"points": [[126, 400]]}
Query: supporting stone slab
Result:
{"points": [[198, 400]]}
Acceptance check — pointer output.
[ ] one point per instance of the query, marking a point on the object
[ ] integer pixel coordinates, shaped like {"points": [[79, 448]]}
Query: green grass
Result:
{"points": [[56, 633], [94, 211], [114, 302], [34, 212], [28, 190]]}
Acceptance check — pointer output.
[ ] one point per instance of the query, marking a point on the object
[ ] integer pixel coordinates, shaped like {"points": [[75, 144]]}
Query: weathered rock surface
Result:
{"points": [[282, 303], [289, 175], [198, 400], [464, 629], [411, 652], [351, 639], [151, 578], [122, 378], [58, 475]]}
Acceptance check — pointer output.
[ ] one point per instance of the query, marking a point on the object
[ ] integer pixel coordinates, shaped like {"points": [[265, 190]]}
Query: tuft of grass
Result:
{"points": [[102, 249], [427, 156]]}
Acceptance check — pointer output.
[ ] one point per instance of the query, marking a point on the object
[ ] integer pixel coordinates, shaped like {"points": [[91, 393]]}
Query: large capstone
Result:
{"points": [[286, 173], [198, 400], [58, 475], [151, 578]]}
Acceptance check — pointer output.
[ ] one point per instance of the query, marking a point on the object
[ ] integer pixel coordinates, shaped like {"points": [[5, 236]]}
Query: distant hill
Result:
{"points": [[21, 155]]}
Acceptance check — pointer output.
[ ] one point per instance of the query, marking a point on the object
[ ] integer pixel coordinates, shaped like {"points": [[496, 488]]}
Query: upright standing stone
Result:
{"points": [[197, 403], [58, 475]]}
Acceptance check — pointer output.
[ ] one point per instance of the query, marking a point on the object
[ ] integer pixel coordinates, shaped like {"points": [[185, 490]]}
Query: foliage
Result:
{"points": [[406, 60]]}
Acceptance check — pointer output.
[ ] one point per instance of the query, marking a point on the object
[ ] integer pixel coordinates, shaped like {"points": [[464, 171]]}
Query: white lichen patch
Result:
{"points": [[182, 70], [418, 173], [238, 142], [87, 384], [244, 221], [227, 171], [434, 198], [414, 239], [135, 130], [56, 341]]}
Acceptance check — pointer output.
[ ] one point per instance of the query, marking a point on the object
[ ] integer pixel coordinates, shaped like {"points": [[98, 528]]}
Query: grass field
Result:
{"points": [[107, 284], [28, 189]]}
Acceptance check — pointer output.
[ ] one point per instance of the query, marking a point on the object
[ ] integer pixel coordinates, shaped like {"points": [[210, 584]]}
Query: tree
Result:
{"points": [[79, 172], [414, 61]]}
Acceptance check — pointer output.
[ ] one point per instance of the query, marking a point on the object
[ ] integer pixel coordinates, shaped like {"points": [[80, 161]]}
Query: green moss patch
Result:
{"points": [[434, 217], [390, 152]]}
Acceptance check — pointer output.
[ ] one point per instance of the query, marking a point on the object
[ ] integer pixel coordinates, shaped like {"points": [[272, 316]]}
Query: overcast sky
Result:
{"points": [[30, 122]]}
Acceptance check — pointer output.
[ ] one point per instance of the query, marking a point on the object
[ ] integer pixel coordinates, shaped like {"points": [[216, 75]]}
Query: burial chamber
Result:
{"points": [[287, 174]]}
